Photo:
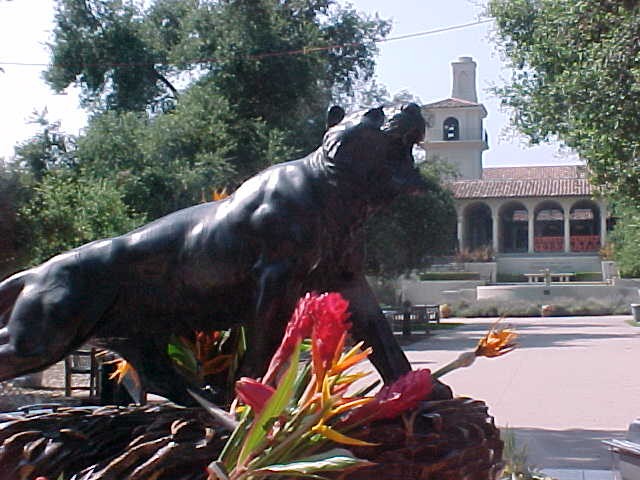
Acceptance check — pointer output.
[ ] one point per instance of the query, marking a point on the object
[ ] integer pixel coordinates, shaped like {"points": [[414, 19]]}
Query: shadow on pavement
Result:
{"points": [[531, 335], [575, 448]]}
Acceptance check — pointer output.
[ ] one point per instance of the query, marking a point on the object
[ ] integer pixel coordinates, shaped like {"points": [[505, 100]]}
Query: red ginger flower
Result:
{"points": [[329, 330], [395, 399], [253, 393], [298, 328]]}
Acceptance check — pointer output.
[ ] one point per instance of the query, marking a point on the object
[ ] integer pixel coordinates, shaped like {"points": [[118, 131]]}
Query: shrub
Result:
{"points": [[521, 308], [511, 278], [626, 240], [479, 254], [588, 277]]}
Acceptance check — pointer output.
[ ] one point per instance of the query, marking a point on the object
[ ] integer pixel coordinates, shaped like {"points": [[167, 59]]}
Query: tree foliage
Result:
{"points": [[190, 96], [270, 59], [413, 229], [67, 211], [252, 91], [625, 239], [577, 77]]}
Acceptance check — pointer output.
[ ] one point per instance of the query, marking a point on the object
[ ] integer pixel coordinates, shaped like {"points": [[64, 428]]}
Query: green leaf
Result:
{"points": [[182, 355], [332, 460], [274, 407]]}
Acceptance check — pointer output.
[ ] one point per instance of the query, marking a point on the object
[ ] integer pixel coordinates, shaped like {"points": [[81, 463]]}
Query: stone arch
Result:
{"points": [[584, 226], [548, 227], [478, 226], [514, 227], [451, 129]]}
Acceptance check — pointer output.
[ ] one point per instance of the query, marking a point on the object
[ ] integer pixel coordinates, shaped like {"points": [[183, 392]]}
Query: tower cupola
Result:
{"points": [[464, 79]]}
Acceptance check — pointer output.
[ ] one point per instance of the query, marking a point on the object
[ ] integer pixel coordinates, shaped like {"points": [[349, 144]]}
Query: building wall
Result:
{"points": [[515, 265], [531, 204], [541, 293], [469, 121], [437, 292], [466, 162]]}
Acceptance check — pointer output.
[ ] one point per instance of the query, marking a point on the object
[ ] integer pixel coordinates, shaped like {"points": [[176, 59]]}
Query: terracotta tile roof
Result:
{"points": [[451, 102], [525, 182], [529, 173]]}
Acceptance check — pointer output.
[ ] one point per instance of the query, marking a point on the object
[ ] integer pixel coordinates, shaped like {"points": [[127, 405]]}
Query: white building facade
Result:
{"points": [[517, 211]]}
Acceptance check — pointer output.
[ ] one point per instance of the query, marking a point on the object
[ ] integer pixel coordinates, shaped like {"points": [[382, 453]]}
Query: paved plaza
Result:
{"points": [[572, 382]]}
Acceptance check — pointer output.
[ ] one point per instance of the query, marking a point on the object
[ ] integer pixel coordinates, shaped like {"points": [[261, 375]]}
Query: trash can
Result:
{"points": [[626, 454], [635, 311]]}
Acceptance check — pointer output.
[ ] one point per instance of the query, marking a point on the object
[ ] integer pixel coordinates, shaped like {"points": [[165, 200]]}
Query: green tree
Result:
{"points": [[413, 229], [272, 60], [48, 148], [14, 192], [626, 239], [576, 76], [252, 92], [112, 50], [68, 210]]}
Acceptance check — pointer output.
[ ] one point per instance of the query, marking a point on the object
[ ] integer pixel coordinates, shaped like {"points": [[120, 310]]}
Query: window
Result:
{"points": [[450, 129]]}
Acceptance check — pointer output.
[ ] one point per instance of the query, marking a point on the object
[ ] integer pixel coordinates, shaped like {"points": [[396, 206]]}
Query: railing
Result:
{"points": [[585, 243], [548, 244]]}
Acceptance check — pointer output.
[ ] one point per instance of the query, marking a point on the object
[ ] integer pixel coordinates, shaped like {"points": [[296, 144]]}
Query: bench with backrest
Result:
{"points": [[557, 277]]}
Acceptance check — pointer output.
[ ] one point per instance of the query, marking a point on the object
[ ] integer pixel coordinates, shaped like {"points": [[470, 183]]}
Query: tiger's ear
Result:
{"points": [[334, 116], [374, 118]]}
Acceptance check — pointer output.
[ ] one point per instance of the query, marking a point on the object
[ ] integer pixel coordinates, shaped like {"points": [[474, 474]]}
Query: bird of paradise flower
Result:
{"points": [[294, 418]]}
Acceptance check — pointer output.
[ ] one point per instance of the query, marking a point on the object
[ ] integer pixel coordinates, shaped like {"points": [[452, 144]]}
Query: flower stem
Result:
{"points": [[465, 359]]}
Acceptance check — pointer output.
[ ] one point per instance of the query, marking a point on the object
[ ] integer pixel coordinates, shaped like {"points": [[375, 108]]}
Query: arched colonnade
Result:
{"points": [[577, 225]]}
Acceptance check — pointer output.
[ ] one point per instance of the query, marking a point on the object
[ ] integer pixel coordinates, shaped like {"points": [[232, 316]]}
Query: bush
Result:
{"points": [[521, 308], [480, 254], [442, 276], [626, 240], [511, 278], [588, 277], [477, 309], [67, 211]]}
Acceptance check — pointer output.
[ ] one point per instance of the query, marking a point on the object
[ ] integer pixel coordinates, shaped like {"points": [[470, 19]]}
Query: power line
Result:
{"points": [[302, 51]]}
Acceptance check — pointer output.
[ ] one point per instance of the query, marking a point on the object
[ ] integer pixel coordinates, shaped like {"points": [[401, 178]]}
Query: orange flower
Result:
{"points": [[123, 368], [219, 194], [496, 342]]}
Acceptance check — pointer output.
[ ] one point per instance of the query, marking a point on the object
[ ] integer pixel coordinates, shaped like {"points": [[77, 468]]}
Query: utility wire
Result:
{"points": [[258, 56]]}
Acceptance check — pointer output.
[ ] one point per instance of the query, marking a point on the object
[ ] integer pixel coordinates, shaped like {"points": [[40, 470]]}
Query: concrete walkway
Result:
{"points": [[572, 383]]}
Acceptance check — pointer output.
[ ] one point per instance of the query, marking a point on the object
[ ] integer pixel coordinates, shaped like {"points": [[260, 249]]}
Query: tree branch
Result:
{"points": [[166, 82]]}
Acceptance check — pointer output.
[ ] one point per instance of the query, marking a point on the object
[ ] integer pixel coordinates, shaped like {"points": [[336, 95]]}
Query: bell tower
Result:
{"points": [[455, 131], [464, 79]]}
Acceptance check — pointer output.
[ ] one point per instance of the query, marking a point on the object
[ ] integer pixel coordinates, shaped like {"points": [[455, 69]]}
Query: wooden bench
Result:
{"points": [[415, 313], [558, 277]]}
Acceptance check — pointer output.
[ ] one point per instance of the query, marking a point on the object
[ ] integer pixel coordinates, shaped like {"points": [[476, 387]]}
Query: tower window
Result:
{"points": [[451, 130]]}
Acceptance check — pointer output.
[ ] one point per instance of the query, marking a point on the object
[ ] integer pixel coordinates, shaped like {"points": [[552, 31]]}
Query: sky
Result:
{"points": [[420, 65]]}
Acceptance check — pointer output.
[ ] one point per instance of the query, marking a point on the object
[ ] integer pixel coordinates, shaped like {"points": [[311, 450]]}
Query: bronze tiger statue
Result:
{"points": [[292, 228]]}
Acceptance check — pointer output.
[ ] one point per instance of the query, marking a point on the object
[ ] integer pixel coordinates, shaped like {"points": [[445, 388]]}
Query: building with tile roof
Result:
{"points": [[531, 212]]}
